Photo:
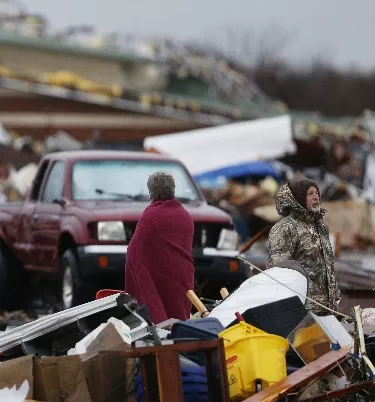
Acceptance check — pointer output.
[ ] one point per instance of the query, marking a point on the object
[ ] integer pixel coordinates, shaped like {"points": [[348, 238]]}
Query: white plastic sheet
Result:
{"points": [[369, 178], [334, 330], [5, 137], [52, 322], [23, 178], [62, 141], [13, 394], [212, 148], [261, 289]]}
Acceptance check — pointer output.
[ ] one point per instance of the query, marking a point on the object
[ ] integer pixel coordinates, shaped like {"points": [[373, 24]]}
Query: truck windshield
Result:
{"points": [[126, 180]]}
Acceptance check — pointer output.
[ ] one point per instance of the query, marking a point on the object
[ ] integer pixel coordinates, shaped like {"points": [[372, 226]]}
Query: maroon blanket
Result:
{"points": [[159, 264]]}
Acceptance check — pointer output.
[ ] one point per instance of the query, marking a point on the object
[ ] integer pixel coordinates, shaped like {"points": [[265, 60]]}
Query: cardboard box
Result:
{"points": [[109, 378], [59, 379], [52, 379], [72, 379], [122, 329], [76, 378], [46, 380], [107, 339], [15, 371]]}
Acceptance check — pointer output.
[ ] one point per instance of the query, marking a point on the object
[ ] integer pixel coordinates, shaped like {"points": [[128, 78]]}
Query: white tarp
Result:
{"points": [[212, 148], [369, 178], [5, 137], [62, 141], [261, 289], [22, 180]]}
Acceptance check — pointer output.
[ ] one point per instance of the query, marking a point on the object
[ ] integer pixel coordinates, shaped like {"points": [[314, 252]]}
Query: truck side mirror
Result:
{"points": [[61, 202]]}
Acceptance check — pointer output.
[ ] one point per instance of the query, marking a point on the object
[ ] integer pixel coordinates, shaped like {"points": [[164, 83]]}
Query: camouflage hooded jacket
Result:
{"points": [[303, 236]]}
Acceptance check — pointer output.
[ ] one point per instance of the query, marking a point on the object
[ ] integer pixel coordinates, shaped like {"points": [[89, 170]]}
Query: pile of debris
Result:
{"points": [[7, 317], [19, 158], [253, 345], [243, 164]]}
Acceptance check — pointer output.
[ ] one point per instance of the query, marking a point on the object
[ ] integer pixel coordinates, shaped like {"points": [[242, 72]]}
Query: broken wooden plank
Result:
{"points": [[169, 376], [340, 393], [297, 380], [162, 363]]}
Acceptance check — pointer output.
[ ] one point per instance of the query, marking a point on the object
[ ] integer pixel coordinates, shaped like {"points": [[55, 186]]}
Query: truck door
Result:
{"points": [[46, 219], [23, 242]]}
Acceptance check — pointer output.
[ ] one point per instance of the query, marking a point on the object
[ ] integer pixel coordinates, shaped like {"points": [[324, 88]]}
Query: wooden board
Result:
{"points": [[297, 380]]}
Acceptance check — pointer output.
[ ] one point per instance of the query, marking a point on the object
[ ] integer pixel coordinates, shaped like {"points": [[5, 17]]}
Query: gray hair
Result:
{"points": [[161, 186]]}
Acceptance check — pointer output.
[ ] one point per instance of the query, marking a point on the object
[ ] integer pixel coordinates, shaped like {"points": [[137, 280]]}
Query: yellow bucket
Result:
{"points": [[254, 359]]}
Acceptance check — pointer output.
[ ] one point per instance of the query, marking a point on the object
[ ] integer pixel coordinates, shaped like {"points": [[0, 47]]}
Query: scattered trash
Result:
{"points": [[88, 352], [62, 141]]}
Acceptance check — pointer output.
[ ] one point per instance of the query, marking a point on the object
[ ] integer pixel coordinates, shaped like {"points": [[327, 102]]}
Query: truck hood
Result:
{"points": [[132, 211]]}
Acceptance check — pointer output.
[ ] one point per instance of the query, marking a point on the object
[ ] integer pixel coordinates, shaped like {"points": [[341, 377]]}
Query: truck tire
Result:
{"points": [[3, 280], [13, 283], [73, 291]]}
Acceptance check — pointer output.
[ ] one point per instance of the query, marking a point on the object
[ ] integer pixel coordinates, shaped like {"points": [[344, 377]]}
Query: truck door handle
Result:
{"points": [[35, 217]]}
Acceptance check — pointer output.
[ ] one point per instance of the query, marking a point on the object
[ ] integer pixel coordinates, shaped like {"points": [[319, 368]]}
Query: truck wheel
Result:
{"points": [[13, 283], [73, 291], [3, 280]]}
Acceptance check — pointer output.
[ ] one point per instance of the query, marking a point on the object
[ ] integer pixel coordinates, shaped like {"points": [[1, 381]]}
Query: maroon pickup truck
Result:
{"points": [[80, 214]]}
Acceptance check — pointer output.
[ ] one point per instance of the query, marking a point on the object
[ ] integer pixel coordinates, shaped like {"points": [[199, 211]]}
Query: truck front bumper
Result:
{"points": [[101, 260]]}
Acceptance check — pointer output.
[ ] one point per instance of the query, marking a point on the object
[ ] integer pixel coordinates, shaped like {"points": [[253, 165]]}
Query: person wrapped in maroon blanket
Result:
{"points": [[159, 264]]}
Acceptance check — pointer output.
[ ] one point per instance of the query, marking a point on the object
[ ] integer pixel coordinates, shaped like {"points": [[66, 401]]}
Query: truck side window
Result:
{"points": [[54, 187]]}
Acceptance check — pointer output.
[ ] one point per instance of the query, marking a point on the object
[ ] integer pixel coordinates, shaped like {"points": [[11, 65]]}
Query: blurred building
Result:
{"points": [[113, 94]]}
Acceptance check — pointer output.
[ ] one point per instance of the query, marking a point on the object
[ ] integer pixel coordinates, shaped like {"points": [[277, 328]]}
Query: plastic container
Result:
{"points": [[254, 359], [209, 324], [180, 330], [306, 338]]}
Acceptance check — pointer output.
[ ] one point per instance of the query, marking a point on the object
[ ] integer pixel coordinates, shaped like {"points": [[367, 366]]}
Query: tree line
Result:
{"points": [[322, 87]]}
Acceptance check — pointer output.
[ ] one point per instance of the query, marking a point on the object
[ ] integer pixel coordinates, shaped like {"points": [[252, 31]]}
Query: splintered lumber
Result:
{"points": [[302, 377], [340, 393], [253, 239]]}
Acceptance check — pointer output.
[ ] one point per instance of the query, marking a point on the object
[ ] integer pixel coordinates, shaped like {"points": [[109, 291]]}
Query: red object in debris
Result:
{"points": [[239, 316], [106, 292]]}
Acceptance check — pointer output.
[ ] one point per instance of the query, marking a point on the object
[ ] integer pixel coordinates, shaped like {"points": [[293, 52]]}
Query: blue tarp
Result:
{"points": [[258, 168]]}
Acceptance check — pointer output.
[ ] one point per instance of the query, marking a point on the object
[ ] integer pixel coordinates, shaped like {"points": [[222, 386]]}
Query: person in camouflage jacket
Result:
{"points": [[302, 235]]}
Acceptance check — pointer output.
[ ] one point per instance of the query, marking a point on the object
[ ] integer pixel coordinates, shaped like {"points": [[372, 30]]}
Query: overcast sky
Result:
{"points": [[343, 30]]}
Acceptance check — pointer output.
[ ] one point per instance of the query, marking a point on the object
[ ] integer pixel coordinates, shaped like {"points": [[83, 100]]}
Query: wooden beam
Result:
{"points": [[169, 376], [340, 393], [302, 377], [164, 361]]}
